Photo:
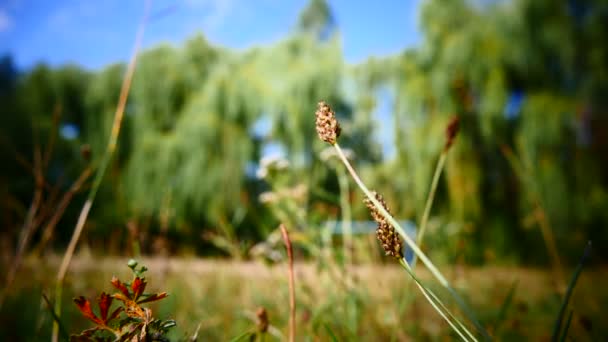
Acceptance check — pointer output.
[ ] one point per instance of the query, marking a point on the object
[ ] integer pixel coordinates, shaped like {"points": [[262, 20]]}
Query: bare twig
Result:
{"points": [[292, 290]]}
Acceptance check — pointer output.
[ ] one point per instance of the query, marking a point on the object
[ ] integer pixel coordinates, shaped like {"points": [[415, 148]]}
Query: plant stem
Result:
{"points": [[347, 234], [435, 302], [292, 290], [442, 280], [118, 116], [60, 209], [429, 202], [425, 260], [541, 218], [573, 280]]}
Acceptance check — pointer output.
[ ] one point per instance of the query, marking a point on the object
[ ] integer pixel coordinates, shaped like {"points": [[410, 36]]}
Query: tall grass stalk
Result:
{"points": [[292, 286], [442, 280], [539, 213], [451, 132], [445, 313], [328, 130], [84, 213], [425, 260], [347, 234], [429, 202]]}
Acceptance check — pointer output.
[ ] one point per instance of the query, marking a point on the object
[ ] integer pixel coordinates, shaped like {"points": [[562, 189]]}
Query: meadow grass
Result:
{"points": [[220, 298]]}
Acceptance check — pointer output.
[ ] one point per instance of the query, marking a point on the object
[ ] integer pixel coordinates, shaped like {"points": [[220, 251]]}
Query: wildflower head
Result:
{"points": [[388, 237], [327, 126]]}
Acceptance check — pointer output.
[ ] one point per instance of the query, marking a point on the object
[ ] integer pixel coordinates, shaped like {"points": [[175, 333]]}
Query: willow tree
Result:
{"points": [[512, 71], [188, 139], [300, 71]]}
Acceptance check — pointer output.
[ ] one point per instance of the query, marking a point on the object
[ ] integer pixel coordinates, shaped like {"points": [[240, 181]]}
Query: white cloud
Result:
{"points": [[6, 22]]}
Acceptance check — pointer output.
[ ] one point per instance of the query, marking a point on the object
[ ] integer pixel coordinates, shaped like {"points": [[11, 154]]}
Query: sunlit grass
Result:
{"points": [[223, 296]]}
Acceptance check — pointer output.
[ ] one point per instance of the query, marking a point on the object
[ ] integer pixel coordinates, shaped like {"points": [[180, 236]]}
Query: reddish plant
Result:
{"points": [[129, 321]]}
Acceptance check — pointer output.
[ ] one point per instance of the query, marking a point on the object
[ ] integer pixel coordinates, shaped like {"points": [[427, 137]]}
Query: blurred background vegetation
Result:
{"points": [[527, 78]]}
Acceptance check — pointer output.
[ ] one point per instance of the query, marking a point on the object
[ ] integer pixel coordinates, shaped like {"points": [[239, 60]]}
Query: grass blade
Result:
{"points": [[568, 321], [502, 313], [62, 331], [573, 280], [333, 336], [429, 203], [243, 336], [438, 305]]}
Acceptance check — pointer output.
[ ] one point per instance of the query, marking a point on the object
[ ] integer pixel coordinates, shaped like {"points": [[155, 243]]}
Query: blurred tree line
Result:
{"points": [[527, 78]]}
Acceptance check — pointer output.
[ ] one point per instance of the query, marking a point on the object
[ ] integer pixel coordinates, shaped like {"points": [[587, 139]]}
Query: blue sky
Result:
{"points": [[94, 33]]}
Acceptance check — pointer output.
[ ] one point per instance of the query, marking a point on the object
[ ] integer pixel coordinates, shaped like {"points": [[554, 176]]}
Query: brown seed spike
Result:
{"points": [[262, 316], [388, 237], [327, 126], [451, 131]]}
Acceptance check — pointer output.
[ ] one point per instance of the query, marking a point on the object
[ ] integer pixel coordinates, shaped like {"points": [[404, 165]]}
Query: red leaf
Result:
{"points": [[138, 286], [104, 301], [121, 297], [120, 286], [84, 306], [154, 297]]}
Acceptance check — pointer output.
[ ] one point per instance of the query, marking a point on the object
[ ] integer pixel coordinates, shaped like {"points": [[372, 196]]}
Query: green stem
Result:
{"points": [[347, 235], [573, 280], [442, 280], [436, 303], [429, 202], [425, 260]]}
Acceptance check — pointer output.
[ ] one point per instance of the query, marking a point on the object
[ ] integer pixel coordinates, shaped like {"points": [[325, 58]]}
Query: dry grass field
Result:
{"points": [[369, 302]]}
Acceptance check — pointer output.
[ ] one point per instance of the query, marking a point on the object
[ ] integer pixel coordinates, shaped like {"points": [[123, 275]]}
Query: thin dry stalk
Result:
{"points": [[84, 213], [61, 208], [292, 290], [450, 135], [28, 225], [547, 232], [48, 207], [51, 142], [539, 216], [35, 212]]}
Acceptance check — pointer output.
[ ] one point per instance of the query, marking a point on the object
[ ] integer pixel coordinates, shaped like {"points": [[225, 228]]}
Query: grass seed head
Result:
{"points": [[327, 126], [388, 237], [451, 131], [262, 319]]}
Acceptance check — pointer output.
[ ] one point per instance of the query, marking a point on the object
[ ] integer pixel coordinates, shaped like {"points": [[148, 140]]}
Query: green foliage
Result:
{"points": [[510, 70], [218, 300], [527, 75]]}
